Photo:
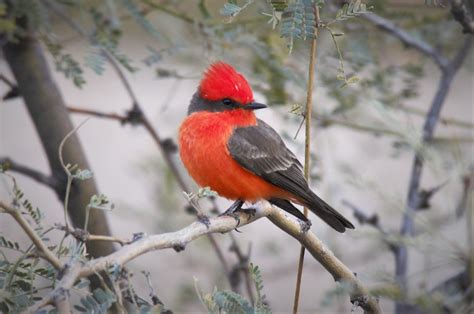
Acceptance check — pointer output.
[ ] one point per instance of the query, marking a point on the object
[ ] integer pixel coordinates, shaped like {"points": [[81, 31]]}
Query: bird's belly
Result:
{"points": [[209, 162]]}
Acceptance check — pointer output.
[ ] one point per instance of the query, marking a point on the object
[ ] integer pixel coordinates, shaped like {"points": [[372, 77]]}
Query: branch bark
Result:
{"points": [[43, 249], [34, 174], [223, 224], [463, 15], [51, 119]]}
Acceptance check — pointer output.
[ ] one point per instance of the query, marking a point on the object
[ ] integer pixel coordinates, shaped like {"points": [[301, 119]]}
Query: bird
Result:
{"points": [[225, 147]]}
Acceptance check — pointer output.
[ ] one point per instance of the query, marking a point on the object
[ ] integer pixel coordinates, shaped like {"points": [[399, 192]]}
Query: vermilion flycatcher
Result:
{"points": [[224, 146]]}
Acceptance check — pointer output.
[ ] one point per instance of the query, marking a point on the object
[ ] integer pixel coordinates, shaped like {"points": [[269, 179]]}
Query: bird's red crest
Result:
{"points": [[221, 81]]}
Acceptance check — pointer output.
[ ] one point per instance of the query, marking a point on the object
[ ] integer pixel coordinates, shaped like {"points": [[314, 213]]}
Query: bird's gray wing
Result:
{"points": [[260, 150]]}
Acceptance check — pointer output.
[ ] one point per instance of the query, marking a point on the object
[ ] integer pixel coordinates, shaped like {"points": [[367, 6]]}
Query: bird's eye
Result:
{"points": [[227, 102]]}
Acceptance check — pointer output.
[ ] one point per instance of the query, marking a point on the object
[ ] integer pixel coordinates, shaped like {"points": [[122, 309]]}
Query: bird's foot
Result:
{"points": [[237, 205], [251, 211], [204, 220], [304, 225], [232, 212]]}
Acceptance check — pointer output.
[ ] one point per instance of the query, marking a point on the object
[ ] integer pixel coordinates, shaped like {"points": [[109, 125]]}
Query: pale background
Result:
{"points": [[127, 167]]}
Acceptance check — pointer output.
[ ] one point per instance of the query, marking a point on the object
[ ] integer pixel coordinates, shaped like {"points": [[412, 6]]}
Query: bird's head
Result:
{"points": [[222, 88]]}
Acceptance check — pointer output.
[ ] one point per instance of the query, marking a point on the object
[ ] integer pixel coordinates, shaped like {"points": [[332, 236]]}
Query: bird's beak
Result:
{"points": [[254, 106]]}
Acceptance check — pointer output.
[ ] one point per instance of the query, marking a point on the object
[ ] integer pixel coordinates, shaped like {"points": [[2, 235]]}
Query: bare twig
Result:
{"points": [[84, 235], [307, 150], [5, 80], [326, 121], [179, 239], [44, 251], [372, 220], [98, 114], [463, 15], [406, 38], [34, 174]]}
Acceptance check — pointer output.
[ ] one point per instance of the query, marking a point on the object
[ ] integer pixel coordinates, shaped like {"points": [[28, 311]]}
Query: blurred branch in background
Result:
{"points": [[448, 70], [34, 174], [463, 14]]}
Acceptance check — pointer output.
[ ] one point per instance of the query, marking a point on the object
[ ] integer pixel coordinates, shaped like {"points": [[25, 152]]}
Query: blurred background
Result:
{"points": [[380, 71]]}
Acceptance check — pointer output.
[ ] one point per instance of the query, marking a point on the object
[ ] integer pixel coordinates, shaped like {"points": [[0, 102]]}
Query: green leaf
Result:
{"points": [[230, 9]]}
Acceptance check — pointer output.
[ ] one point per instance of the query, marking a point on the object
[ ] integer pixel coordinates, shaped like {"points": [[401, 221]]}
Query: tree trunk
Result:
{"points": [[51, 119]]}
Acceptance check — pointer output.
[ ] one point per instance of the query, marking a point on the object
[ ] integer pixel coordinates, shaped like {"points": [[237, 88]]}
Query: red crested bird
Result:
{"points": [[224, 146]]}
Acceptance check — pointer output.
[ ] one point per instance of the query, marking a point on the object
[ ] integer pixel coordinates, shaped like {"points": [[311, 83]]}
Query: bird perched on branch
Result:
{"points": [[224, 146]]}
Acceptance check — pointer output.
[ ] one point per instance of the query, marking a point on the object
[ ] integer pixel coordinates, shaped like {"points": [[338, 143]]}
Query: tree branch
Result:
{"points": [[34, 174], [44, 251], [339, 271], [462, 14], [223, 224], [406, 38]]}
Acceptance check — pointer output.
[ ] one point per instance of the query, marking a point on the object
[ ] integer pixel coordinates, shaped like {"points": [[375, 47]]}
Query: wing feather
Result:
{"points": [[260, 150]]}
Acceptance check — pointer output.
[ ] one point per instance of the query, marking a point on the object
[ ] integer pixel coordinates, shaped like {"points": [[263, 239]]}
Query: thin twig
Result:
{"points": [[67, 169], [326, 121], [5, 80], [307, 150], [45, 252], [34, 174], [98, 114]]}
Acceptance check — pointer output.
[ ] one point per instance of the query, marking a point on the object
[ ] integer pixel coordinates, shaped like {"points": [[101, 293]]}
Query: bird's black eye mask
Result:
{"points": [[200, 104]]}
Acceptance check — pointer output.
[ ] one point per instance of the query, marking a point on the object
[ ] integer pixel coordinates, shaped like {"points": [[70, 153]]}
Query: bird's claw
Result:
{"points": [[249, 211], [304, 225], [204, 220]]}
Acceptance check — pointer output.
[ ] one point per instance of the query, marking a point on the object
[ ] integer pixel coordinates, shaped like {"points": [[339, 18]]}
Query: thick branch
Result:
{"points": [[462, 14], [179, 239], [51, 119], [30, 232]]}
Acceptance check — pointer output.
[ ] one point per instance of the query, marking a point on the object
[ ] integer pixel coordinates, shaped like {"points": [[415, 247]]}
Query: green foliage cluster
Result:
{"points": [[230, 302], [25, 279], [299, 21]]}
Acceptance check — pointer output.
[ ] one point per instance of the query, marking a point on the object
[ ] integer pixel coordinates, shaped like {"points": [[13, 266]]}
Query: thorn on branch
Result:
{"points": [[169, 145], [137, 236], [134, 116], [467, 188], [13, 93], [178, 247], [424, 196], [362, 217]]}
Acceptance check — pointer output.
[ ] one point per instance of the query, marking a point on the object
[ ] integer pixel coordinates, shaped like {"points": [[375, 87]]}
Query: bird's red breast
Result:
{"points": [[203, 139]]}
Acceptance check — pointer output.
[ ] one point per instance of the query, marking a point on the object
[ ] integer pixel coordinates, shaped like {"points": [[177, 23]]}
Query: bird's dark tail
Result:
{"points": [[320, 208], [327, 213]]}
